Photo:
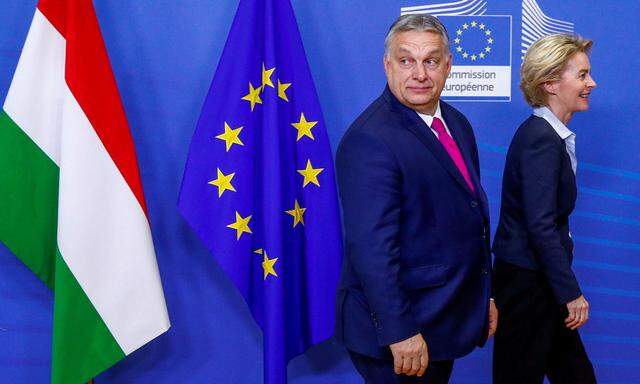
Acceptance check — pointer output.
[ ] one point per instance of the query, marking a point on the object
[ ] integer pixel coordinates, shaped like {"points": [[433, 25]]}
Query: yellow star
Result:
{"points": [[487, 32], [458, 49], [241, 225], [253, 96], [465, 26], [490, 40], [268, 265], [282, 88], [473, 57], [297, 212], [482, 26], [459, 32], [266, 76], [474, 23], [465, 55], [488, 49], [310, 174], [230, 136], [456, 40], [482, 55], [304, 127], [223, 182], [259, 251]]}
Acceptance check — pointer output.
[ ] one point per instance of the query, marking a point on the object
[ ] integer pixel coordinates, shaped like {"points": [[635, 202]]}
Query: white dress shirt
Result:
{"points": [[428, 119], [562, 131]]}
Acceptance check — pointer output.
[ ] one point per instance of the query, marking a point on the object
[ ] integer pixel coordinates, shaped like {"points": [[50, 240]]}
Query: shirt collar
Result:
{"points": [[555, 123], [428, 118]]}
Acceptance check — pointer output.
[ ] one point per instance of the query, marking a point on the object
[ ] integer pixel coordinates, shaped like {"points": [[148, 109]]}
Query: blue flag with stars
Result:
{"points": [[258, 187]]}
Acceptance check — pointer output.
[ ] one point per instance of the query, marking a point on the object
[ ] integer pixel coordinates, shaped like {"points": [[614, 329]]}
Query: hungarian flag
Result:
{"points": [[71, 202]]}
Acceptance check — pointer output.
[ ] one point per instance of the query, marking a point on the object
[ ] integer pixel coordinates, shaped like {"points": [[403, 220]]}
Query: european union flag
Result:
{"points": [[258, 187]]}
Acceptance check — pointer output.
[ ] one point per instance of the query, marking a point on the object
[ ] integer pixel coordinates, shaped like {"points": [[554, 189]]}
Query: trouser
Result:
{"points": [[377, 371], [532, 340]]}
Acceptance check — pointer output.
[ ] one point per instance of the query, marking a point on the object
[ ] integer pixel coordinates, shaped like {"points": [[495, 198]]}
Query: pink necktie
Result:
{"points": [[452, 150]]}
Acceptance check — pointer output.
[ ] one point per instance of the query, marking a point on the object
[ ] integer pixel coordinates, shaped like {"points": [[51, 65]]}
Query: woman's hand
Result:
{"points": [[578, 313]]}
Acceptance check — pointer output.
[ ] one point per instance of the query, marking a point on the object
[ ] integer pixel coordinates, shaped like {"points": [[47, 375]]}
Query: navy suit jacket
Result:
{"points": [[538, 194], [417, 255]]}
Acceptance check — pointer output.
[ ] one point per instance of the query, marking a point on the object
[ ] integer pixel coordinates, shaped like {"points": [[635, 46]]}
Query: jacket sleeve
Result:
{"points": [[540, 172], [370, 185]]}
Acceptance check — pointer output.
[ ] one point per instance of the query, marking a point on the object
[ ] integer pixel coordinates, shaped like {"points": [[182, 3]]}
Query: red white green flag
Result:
{"points": [[71, 202]]}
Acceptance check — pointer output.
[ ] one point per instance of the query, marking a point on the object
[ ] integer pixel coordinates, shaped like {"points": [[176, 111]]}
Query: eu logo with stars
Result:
{"points": [[481, 51]]}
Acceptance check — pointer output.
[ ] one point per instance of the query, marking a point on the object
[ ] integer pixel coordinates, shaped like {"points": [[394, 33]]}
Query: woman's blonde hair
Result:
{"points": [[545, 61]]}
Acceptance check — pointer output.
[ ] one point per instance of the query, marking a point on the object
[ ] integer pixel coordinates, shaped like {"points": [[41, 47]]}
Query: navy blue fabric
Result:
{"points": [[532, 340], [376, 371], [416, 237], [538, 195]]}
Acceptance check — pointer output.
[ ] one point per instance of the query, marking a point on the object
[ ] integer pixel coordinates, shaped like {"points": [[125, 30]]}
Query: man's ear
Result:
{"points": [[386, 63], [449, 63]]}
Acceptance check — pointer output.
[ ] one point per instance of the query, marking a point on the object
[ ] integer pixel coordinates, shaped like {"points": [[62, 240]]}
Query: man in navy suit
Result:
{"points": [[415, 284]]}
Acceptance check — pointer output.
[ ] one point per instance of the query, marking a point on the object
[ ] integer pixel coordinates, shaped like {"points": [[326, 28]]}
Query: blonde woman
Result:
{"points": [[540, 302]]}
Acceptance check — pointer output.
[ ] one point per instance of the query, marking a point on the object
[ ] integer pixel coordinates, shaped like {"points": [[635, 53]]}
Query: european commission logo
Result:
{"points": [[481, 48], [481, 45]]}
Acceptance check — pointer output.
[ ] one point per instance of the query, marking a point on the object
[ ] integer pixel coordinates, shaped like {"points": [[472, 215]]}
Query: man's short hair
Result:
{"points": [[545, 61], [416, 22]]}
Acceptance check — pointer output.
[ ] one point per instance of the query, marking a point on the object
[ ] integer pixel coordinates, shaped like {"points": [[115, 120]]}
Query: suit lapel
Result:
{"points": [[457, 133], [419, 128]]}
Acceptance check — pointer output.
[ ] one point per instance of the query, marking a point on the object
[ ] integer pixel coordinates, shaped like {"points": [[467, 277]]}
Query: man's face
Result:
{"points": [[417, 66]]}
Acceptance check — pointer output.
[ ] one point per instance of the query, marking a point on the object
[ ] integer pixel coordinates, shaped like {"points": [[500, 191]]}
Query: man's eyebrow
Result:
{"points": [[430, 52]]}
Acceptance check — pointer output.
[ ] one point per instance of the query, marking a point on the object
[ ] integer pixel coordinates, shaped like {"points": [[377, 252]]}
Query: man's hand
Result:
{"points": [[493, 318], [578, 313], [410, 356]]}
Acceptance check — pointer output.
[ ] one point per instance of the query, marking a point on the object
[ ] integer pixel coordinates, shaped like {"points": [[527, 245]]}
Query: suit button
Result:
{"points": [[474, 204], [485, 271], [484, 236]]}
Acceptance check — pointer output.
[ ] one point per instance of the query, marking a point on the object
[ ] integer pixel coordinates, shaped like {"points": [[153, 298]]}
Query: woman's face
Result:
{"points": [[571, 93]]}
